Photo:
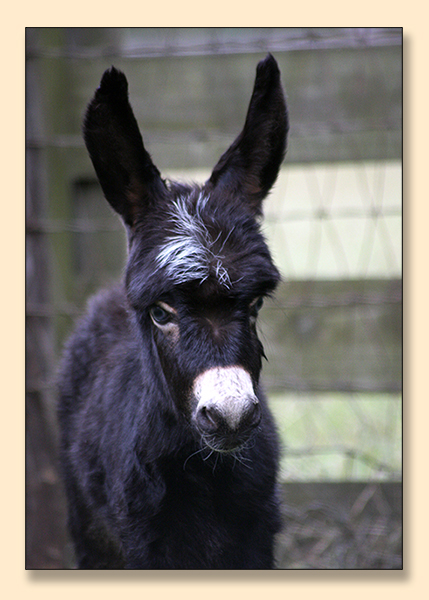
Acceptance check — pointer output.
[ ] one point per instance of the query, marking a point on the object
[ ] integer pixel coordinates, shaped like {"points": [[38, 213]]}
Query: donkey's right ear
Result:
{"points": [[128, 177]]}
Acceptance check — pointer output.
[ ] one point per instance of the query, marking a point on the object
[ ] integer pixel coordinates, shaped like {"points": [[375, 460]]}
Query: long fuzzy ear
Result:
{"points": [[128, 177], [251, 165]]}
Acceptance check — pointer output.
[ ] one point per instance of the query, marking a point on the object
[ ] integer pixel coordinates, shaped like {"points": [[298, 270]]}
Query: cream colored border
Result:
{"points": [[411, 582]]}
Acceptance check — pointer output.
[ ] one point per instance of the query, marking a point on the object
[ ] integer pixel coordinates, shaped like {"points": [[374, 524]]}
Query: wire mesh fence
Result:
{"points": [[333, 333]]}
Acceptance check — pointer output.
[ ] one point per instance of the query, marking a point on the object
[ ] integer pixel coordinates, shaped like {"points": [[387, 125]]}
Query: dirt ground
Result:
{"points": [[341, 526]]}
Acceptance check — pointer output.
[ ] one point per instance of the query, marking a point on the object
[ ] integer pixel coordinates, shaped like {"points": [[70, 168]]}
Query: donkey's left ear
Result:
{"points": [[250, 166]]}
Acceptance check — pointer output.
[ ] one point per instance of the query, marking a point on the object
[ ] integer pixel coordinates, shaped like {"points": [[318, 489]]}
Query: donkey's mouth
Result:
{"points": [[227, 444]]}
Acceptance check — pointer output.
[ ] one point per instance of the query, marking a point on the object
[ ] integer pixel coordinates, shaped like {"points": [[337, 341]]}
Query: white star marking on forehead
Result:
{"points": [[188, 253]]}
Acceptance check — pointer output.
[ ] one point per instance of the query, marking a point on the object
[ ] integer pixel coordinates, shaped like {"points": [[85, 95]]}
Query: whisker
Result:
{"points": [[208, 456], [217, 458], [191, 455], [246, 462]]}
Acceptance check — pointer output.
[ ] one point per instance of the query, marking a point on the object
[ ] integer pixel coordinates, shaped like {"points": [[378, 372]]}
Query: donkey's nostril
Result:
{"points": [[208, 419], [253, 417]]}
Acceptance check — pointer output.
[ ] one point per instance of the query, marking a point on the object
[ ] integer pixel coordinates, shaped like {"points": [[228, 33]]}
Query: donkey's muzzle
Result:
{"points": [[227, 409], [218, 431]]}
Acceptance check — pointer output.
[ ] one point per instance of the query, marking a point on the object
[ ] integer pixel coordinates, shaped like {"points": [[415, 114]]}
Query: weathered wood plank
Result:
{"points": [[334, 335]]}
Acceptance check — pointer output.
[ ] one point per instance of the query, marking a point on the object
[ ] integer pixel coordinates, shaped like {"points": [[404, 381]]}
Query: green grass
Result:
{"points": [[336, 437]]}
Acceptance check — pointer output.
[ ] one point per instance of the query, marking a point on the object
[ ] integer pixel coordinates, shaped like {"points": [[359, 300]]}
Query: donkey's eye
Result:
{"points": [[256, 306], [162, 314]]}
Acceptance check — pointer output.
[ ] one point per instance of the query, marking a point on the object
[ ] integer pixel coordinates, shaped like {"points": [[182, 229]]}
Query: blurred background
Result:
{"points": [[333, 334]]}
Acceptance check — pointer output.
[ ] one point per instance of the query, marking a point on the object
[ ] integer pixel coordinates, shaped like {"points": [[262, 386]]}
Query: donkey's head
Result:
{"points": [[198, 266]]}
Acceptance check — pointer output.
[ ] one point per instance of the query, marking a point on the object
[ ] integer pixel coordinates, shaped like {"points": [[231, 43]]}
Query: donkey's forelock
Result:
{"points": [[189, 253]]}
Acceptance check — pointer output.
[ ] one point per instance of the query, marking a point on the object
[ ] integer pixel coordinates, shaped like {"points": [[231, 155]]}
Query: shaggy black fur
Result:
{"points": [[145, 490]]}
